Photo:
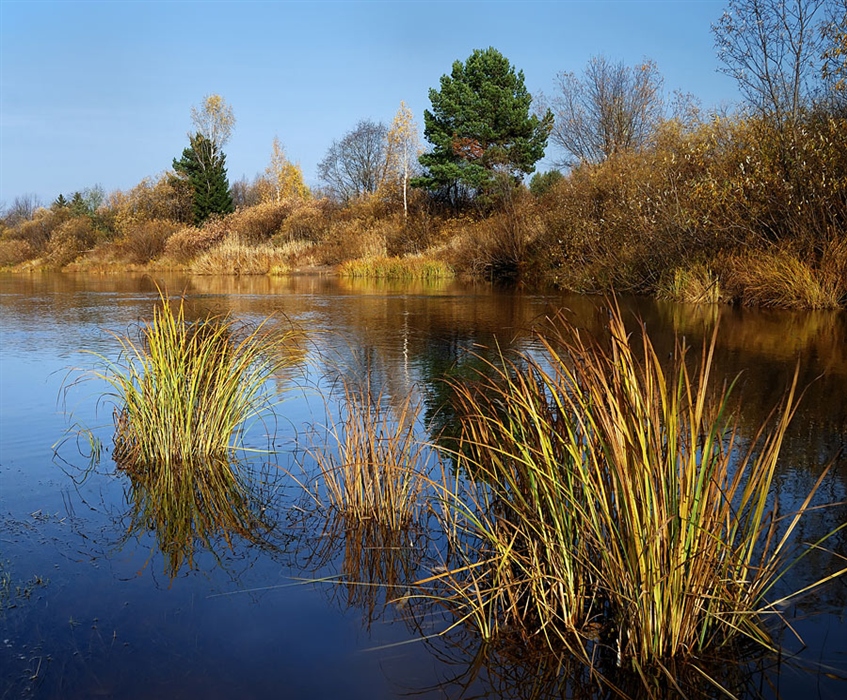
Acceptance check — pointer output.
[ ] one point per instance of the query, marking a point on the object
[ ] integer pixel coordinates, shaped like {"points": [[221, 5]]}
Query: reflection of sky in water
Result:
{"points": [[109, 616]]}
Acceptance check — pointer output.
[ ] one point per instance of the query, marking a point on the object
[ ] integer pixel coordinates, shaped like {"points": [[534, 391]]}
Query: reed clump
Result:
{"points": [[696, 284], [405, 268], [370, 465], [612, 507], [185, 390]]}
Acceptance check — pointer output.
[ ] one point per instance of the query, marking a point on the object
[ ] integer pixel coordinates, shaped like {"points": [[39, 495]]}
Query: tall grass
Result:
{"points": [[613, 507], [781, 279], [232, 257], [696, 284], [371, 462], [186, 390], [408, 268]]}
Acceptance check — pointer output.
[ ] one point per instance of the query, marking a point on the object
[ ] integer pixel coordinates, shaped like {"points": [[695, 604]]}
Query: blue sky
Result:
{"points": [[101, 92]]}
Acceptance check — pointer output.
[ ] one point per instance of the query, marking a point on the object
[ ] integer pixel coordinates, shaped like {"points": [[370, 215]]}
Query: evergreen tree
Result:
{"points": [[204, 167], [480, 127]]}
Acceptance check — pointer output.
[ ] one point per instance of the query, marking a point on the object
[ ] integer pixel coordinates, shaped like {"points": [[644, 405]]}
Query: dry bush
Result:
{"points": [[147, 240], [502, 246], [38, 230], [348, 240], [309, 220], [234, 258], [14, 252], [259, 223], [189, 242], [417, 232], [70, 240], [166, 198], [602, 227]]}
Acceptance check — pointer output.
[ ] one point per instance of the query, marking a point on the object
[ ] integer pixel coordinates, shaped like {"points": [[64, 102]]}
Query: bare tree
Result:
{"points": [[356, 164], [610, 108], [22, 209], [774, 50], [834, 69]]}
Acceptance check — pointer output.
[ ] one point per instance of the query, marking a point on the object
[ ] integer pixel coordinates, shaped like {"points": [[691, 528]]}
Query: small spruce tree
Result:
{"points": [[204, 167]]}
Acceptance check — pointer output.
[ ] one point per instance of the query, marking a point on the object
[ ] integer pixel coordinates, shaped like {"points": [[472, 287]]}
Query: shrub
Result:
{"points": [[147, 240], [259, 223], [70, 240], [38, 230], [14, 252], [309, 220], [189, 242]]}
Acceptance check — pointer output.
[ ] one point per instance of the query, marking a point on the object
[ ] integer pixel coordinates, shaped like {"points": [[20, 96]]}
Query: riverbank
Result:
{"points": [[709, 212]]}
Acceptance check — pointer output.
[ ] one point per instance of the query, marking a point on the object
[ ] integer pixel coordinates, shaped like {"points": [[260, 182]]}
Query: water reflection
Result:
{"points": [[209, 506], [410, 336]]}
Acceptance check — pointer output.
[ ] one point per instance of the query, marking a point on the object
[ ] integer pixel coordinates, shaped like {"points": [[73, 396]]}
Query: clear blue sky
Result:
{"points": [[101, 92]]}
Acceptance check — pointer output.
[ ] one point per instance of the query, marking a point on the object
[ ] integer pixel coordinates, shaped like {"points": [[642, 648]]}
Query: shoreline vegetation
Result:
{"points": [[705, 214]]}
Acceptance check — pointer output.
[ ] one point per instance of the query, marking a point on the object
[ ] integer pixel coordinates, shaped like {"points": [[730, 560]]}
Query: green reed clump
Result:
{"points": [[186, 390], [609, 504], [371, 464]]}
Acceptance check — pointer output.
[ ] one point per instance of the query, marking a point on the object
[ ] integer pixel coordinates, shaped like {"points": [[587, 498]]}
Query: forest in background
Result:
{"points": [[652, 193]]}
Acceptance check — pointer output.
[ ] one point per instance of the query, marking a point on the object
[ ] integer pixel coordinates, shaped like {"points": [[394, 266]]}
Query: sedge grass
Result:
{"points": [[185, 391], [370, 463], [406, 268], [609, 502]]}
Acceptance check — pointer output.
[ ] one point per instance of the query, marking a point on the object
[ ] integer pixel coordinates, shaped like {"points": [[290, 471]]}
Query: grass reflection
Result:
{"points": [[203, 508]]}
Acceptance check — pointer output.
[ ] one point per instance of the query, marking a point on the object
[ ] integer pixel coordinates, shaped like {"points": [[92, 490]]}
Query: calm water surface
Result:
{"points": [[91, 606]]}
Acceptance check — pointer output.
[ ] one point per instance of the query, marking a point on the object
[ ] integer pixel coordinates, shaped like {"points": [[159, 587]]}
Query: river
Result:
{"points": [[91, 607]]}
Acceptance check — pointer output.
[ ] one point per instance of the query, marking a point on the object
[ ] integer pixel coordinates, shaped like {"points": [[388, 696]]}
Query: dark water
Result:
{"points": [[89, 606]]}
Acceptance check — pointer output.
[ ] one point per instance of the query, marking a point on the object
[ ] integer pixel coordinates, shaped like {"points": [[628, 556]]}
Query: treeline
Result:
{"points": [[654, 195]]}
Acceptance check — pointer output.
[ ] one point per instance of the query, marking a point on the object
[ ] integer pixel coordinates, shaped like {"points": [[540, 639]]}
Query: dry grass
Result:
{"points": [[370, 460], [408, 268], [781, 279], [235, 258], [696, 284]]}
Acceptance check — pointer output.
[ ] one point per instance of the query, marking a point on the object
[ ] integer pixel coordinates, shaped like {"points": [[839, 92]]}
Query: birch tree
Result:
{"points": [[403, 147], [214, 120], [285, 177]]}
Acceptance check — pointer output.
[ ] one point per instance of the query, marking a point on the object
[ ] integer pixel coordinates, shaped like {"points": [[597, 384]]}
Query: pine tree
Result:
{"points": [[204, 167], [480, 127]]}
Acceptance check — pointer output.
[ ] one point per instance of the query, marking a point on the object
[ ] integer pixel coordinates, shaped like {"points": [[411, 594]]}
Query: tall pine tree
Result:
{"points": [[204, 166], [480, 127]]}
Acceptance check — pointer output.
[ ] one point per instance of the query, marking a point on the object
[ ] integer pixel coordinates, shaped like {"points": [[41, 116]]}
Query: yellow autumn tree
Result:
{"points": [[401, 153], [214, 120], [285, 179]]}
